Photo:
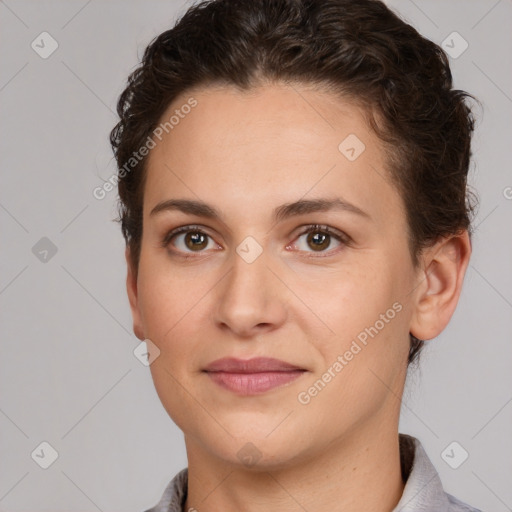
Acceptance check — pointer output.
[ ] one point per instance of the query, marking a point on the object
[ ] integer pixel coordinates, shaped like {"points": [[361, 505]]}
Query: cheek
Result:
{"points": [[166, 298], [169, 310], [350, 298], [364, 361], [364, 307], [169, 315]]}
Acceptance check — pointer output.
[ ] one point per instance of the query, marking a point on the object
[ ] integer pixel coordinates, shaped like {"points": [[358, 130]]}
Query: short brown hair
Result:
{"points": [[361, 50]]}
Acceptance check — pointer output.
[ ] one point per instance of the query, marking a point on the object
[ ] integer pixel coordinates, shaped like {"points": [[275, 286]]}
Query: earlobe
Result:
{"points": [[131, 288], [443, 268]]}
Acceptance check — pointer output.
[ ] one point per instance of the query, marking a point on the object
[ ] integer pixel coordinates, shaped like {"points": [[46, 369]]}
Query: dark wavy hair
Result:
{"points": [[359, 50]]}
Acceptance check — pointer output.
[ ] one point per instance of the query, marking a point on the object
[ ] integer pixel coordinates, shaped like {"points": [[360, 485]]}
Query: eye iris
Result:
{"points": [[196, 240], [318, 240]]}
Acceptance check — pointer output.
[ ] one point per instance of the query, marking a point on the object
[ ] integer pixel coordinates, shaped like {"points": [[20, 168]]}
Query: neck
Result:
{"points": [[359, 472]]}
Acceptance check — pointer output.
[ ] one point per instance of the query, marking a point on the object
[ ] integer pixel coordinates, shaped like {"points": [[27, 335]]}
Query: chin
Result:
{"points": [[256, 456], [256, 450]]}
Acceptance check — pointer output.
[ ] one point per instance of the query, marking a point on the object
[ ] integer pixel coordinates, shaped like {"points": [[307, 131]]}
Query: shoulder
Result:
{"points": [[458, 506], [423, 488], [174, 495]]}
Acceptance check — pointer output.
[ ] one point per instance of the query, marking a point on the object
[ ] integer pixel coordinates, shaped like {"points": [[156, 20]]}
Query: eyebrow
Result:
{"points": [[285, 211]]}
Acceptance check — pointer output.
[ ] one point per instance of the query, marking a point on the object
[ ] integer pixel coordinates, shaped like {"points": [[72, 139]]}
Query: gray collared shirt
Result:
{"points": [[423, 491]]}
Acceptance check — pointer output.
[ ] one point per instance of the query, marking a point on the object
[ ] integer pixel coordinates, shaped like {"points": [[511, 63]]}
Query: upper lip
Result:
{"points": [[255, 365]]}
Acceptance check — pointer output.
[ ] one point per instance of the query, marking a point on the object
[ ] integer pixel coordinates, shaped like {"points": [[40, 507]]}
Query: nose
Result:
{"points": [[250, 299]]}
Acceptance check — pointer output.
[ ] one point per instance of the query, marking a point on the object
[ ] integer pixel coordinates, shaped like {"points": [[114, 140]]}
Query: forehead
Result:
{"points": [[267, 146]]}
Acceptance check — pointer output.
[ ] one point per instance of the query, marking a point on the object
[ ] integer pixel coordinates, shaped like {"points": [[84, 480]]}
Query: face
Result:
{"points": [[297, 252]]}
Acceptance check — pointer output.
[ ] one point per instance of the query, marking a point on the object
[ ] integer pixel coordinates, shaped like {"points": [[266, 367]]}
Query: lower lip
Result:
{"points": [[253, 383]]}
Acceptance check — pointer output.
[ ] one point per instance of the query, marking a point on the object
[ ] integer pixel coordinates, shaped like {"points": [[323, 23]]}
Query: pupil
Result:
{"points": [[318, 237], [195, 240]]}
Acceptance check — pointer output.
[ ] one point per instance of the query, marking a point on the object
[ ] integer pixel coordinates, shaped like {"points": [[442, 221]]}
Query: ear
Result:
{"points": [[131, 288], [443, 268]]}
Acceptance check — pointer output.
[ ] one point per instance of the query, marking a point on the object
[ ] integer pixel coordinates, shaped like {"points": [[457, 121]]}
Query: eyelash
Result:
{"points": [[341, 237]]}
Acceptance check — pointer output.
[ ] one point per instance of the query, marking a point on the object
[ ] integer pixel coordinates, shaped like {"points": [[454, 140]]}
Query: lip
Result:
{"points": [[254, 365], [252, 376]]}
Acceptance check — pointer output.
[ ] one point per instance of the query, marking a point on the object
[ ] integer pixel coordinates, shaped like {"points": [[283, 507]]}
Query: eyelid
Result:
{"points": [[340, 236], [324, 228], [184, 229]]}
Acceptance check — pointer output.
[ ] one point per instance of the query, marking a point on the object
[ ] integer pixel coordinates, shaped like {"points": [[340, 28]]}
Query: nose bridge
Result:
{"points": [[249, 298], [248, 278]]}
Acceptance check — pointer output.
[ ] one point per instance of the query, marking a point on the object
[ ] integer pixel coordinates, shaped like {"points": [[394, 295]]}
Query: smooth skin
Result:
{"points": [[303, 300]]}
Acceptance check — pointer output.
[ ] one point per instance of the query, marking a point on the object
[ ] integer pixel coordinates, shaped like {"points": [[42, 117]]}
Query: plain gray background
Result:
{"points": [[68, 373]]}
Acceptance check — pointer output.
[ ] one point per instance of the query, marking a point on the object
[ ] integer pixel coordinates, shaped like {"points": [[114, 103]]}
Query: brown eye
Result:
{"points": [[317, 238], [318, 241], [188, 239], [195, 240]]}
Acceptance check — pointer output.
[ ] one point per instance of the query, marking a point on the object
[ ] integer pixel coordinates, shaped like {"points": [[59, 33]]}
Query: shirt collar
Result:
{"points": [[423, 489]]}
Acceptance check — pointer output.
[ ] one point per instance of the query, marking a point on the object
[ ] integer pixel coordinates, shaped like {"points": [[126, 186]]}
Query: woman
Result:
{"points": [[292, 181]]}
